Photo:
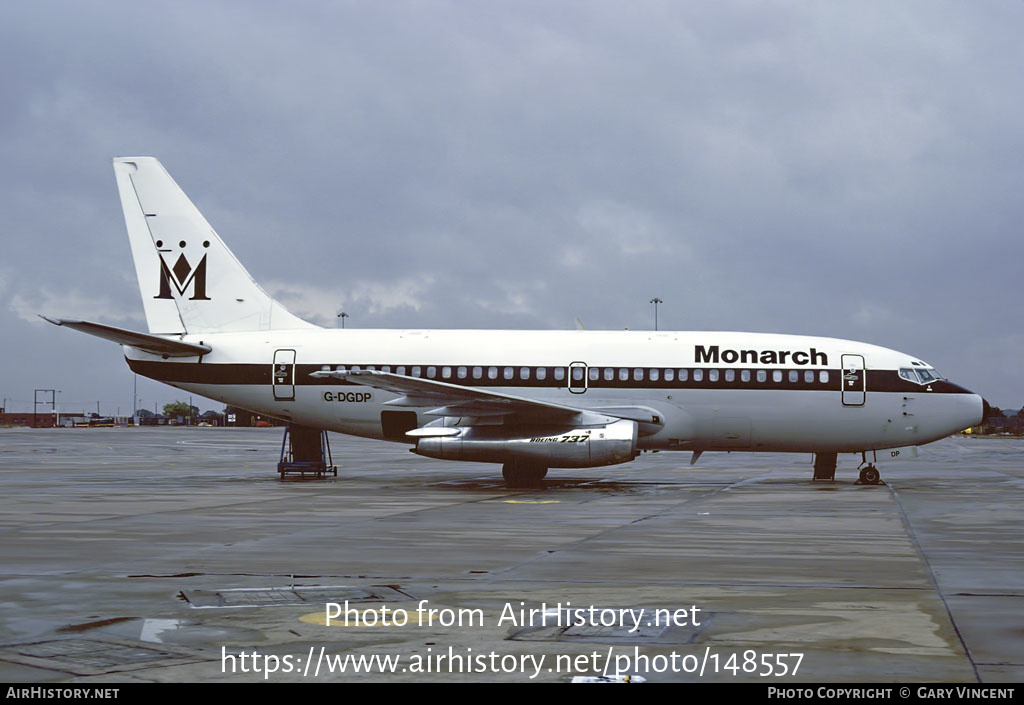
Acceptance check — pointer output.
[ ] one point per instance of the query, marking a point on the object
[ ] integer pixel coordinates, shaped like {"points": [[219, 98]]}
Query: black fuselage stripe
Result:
{"points": [[261, 374]]}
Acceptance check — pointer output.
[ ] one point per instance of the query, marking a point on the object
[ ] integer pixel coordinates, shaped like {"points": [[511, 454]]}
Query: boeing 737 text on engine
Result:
{"points": [[530, 400]]}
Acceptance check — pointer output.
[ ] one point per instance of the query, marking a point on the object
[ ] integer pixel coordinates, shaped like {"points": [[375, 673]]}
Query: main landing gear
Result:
{"points": [[520, 474]]}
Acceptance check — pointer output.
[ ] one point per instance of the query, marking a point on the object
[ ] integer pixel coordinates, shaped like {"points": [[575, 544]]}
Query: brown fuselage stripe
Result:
{"points": [[261, 374]]}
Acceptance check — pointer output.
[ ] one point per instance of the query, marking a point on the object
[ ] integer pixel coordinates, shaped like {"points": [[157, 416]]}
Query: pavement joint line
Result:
{"points": [[931, 572]]}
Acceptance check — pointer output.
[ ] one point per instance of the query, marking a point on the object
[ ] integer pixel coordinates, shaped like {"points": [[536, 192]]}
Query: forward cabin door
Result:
{"points": [[283, 373], [853, 380]]}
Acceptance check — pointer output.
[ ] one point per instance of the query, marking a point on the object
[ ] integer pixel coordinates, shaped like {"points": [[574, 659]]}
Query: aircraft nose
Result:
{"points": [[972, 412], [986, 411], [969, 409]]}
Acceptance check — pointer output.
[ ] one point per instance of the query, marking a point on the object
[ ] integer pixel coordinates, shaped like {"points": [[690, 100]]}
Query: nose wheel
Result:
{"points": [[870, 476]]}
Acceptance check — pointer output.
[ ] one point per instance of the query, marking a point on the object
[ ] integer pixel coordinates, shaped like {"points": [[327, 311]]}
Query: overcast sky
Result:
{"points": [[843, 169]]}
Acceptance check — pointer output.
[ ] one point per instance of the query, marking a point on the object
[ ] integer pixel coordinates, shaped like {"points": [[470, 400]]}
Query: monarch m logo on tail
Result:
{"points": [[182, 275]]}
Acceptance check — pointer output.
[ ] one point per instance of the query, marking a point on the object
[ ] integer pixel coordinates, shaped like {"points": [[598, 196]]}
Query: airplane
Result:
{"points": [[529, 400]]}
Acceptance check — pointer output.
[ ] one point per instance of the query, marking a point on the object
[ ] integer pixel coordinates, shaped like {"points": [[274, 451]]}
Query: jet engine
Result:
{"points": [[553, 447]]}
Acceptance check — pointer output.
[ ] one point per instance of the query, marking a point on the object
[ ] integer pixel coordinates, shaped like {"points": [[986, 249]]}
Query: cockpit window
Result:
{"points": [[920, 375]]}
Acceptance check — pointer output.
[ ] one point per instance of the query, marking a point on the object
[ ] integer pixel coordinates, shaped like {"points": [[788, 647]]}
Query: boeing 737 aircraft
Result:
{"points": [[530, 400]]}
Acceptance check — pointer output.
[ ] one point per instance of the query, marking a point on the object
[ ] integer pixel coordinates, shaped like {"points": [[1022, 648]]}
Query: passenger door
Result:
{"points": [[283, 375], [853, 379]]}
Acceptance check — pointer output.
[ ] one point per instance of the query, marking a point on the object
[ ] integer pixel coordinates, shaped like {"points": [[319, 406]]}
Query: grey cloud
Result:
{"points": [[848, 170]]}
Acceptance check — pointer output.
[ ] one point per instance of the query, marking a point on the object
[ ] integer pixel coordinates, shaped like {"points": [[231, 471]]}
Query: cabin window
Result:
{"points": [[508, 373], [670, 375], [492, 373], [684, 375], [730, 375], [794, 376], [431, 372], [462, 372], [762, 376], [776, 376], [698, 375], [577, 374], [609, 374], [594, 373], [542, 372], [400, 370], [355, 368], [623, 374], [638, 374], [559, 373], [446, 372], [712, 375], [655, 374], [415, 370], [809, 376], [478, 372], [524, 373], [745, 375], [823, 376]]}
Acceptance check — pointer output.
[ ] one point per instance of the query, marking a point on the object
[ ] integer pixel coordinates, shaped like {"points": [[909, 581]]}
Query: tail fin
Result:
{"points": [[190, 281]]}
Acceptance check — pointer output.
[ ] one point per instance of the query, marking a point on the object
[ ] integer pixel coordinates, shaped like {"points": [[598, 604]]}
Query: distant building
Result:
{"points": [[44, 420], [24, 418], [235, 416]]}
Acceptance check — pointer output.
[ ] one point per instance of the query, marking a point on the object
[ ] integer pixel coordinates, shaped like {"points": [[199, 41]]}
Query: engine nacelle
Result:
{"points": [[552, 447]]}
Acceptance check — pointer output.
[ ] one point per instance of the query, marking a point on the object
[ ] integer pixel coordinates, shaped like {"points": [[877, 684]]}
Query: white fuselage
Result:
{"points": [[709, 390]]}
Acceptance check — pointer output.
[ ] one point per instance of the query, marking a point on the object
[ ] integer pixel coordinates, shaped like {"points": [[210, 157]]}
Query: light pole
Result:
{"points": [[656, 301], [342, 315]]}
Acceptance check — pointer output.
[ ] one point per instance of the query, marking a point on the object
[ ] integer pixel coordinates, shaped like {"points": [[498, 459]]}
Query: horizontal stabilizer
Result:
{"points": [[143, 341]]}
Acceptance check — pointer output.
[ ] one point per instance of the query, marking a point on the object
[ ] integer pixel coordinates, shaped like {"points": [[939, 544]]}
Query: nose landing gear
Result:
{"points": [[869, 475]]}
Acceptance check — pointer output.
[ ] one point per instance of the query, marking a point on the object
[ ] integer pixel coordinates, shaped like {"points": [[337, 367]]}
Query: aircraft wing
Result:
{"points": [[456, 400], [451, 399], [143, 341]]}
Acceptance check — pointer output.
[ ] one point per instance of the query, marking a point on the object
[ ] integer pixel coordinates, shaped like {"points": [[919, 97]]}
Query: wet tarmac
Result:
{"points": [[166, 554]]}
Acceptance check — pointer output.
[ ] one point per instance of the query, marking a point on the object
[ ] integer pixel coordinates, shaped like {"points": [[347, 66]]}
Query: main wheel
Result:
{"points": [[870, 475], [523, 474]]}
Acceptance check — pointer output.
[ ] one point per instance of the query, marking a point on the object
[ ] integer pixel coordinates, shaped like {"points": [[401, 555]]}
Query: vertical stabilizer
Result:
{"points": [[190, 281]]}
